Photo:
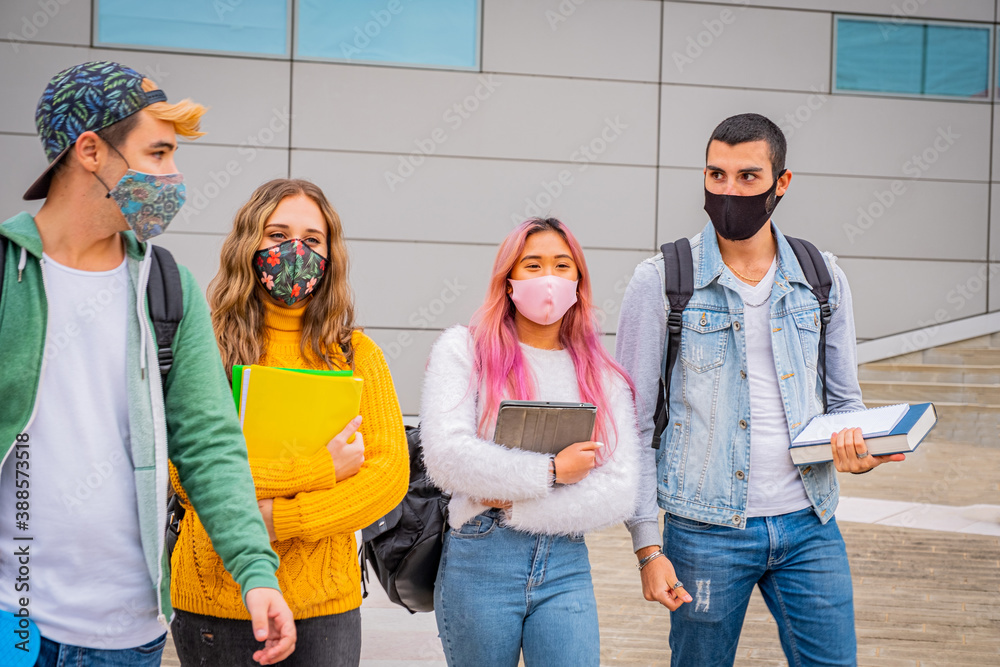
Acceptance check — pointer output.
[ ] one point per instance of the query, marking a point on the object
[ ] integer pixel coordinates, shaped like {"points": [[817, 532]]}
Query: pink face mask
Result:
{"points": [[545, 299]]}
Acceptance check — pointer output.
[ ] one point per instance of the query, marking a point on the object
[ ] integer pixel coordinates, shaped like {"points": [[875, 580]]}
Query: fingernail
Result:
{"points": [[687, 598], [599, 444], [261, 634]]}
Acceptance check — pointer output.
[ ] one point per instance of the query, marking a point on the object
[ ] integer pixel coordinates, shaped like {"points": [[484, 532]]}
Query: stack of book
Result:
{"points": [[291, 413]]}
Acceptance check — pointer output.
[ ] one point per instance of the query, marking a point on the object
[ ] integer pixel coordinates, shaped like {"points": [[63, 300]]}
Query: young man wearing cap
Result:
{"points": [[85, 492], [739, 513]]}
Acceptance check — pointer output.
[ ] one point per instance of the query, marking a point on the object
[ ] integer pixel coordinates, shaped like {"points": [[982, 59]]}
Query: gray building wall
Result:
{"points": [[594, 111]]}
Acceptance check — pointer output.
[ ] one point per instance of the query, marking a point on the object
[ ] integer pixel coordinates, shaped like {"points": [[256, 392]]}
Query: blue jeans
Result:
{"points": [[802, 570], [500, 591], [53, 654]]}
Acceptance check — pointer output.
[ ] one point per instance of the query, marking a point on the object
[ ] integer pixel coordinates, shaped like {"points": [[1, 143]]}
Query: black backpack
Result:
{"points": [[678, 271], [165, 296], [404, 546]]}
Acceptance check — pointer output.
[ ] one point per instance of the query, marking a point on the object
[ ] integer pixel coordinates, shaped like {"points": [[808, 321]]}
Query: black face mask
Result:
{"points": [[738, 218]]}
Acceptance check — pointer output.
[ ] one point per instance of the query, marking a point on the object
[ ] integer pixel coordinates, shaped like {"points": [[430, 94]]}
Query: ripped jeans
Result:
{"points": [[501, 591], [801, 568]]}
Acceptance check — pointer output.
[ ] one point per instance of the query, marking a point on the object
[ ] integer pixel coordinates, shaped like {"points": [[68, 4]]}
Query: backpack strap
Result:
{"points": [[166, 305], [165, 296], [678, 284], [820, 282]]}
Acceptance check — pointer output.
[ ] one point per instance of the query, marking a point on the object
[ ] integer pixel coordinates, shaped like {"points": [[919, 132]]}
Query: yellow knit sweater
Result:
{"points": [[315, 517]]}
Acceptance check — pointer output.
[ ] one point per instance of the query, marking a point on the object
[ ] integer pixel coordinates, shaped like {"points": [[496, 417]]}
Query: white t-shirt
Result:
{"points": [[775, 486], [88, 583], [554, 374]]}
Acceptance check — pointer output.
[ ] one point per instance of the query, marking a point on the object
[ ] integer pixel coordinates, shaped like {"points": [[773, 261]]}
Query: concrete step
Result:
{"points": [[985, 347], [962, 379], [988, 341], [943, 392], [976, 356], [960, 423], [915, 372]]}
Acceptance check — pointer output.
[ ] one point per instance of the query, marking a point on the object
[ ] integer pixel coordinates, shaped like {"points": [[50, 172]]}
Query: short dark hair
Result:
{"points": [[117, 133], [114, 134], [748, 127]]}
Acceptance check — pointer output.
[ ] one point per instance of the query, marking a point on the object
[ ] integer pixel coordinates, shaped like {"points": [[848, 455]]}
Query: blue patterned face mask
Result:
{"points": [[148, 201]]}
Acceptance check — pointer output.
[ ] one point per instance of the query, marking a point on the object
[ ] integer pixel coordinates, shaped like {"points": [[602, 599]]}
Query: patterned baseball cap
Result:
{"points": [[84, 98]]}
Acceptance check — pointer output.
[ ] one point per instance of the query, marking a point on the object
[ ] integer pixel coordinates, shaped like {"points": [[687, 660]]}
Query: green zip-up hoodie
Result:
{"points": [[190, 420]]}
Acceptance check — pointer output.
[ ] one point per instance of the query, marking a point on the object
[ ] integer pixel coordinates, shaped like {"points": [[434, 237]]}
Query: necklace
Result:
{"points": [[758, 305], [743, 277]]}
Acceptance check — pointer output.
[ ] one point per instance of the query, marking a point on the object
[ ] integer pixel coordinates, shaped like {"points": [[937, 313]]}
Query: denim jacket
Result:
{"points": [[701, 470]]}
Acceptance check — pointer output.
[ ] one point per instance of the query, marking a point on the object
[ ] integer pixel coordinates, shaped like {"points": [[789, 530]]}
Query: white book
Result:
{"points": [[873, 422], [891, 429]]}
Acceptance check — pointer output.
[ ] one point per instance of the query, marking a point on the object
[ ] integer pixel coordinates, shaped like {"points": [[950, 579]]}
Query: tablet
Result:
{"points": [[543, 426]]}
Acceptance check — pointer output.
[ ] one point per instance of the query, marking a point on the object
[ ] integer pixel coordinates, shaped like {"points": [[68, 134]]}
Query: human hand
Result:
{"points": [[576, 461], [266, 507], [850, 452], [347, 456], [658, 579], [272, 624], [497, 504]]}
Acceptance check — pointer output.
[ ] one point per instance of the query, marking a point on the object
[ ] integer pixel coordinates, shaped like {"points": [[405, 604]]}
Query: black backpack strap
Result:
{"points": [[678, 284], [165, 296], [820, 282], [166, 304], [175, 512]]}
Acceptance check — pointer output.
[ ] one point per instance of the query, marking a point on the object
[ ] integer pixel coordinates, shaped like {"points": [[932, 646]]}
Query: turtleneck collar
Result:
{"points": [[279, 318]]}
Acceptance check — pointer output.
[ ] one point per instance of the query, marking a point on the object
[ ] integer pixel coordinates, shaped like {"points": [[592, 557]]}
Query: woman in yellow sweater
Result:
{"points": [[281, 298]]}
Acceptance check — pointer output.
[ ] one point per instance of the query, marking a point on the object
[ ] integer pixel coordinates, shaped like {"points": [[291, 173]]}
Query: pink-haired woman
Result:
{"points": [[514, 574]]}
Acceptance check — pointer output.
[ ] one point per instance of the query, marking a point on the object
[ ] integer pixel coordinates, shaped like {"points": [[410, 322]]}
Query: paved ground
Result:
{"points": [[922, 597]]}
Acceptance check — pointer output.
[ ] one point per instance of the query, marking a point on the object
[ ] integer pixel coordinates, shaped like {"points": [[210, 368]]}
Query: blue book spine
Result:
{"points": [[909, 420]]}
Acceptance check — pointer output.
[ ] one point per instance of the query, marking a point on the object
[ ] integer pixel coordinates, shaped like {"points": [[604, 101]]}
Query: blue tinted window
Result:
{"points": [[435, 33], [240, 26], [879, 56], [958, 61], [912, 58]]}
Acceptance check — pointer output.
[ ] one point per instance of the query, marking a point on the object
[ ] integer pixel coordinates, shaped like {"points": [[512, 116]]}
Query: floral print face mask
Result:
{"points": [[290, 270]]}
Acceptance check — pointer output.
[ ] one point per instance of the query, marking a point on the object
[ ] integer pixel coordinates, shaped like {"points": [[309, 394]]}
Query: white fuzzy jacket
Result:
{"points": [[471, 468]]}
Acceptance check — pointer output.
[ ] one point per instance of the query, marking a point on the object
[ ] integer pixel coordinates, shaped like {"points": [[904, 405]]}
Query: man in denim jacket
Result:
{"points": [[739, 513]]}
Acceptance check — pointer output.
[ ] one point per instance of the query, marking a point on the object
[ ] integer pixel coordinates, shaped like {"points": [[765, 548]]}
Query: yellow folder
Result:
{"points": [[285, 414]]}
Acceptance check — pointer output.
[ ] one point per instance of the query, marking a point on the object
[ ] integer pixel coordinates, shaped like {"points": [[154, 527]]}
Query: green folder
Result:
{"points": [[238, 379]]}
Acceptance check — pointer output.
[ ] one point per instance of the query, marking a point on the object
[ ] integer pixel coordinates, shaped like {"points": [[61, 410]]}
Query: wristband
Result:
{"points": [[552, 464], [645, 561]]}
